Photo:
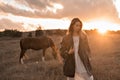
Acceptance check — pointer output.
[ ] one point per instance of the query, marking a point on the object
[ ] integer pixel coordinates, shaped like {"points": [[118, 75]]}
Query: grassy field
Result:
{"points": [[105, 60]]}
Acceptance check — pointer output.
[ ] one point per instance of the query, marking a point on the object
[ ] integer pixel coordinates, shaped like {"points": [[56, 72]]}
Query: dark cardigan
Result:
{"points": [[84, 50]]}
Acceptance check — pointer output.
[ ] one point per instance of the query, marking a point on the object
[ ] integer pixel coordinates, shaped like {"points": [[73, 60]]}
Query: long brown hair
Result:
{"points": [[74, 20]]}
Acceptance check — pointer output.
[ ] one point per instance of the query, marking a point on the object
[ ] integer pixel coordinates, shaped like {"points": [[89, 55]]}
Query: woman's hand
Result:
{"points": [[90, 59], [60, 59], [71, 51]]}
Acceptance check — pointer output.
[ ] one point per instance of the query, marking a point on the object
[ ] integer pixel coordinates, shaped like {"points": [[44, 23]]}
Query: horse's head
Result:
{"points": [[54, 48], [55, 52]]}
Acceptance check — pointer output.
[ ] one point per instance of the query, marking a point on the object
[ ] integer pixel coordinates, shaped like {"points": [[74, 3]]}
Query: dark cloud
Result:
{"points": [[84, 9], [8, 24]]}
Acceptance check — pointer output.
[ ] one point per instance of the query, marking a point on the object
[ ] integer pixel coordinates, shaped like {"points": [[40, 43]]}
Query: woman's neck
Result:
{"points": [[75, 33]]}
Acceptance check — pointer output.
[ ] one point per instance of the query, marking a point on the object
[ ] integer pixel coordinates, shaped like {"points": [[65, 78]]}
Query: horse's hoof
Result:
{"points": [[36, 62], [43, 59], [21, 61]]}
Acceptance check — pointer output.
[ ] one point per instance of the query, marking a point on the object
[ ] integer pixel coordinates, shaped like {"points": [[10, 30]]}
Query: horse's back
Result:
{"points": [[35, 43]]}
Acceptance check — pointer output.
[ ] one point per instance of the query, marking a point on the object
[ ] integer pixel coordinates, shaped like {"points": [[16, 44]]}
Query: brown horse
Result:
{"points": [[42, 42]]}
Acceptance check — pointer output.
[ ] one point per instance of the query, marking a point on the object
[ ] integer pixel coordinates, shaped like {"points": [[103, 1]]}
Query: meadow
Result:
{"points": [[105, 59]]}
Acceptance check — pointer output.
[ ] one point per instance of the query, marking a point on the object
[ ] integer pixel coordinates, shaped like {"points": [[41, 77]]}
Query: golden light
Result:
{"points": [[102, 26], [102, 31], [1, 30]]}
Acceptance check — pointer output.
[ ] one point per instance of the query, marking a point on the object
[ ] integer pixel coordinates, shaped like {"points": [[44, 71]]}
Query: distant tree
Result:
{"points": [[1, 34], [12, 33], [39, 32], [17, 33], [30, 34]]}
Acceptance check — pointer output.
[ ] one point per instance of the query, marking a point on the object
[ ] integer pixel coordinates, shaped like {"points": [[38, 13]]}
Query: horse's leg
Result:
{"points": [[25, 56], [56, 54], [54, 51], [43, 57], [21, 56]]}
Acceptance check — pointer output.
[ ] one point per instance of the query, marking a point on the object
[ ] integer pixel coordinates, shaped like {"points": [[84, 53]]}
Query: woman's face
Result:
{"points": [[77, 27]]}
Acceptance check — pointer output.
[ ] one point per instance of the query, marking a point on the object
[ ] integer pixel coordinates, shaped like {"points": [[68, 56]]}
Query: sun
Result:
{"points": [[102, 31], [102, 26]]}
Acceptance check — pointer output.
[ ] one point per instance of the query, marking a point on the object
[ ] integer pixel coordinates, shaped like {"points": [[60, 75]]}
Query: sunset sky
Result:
{"points": [[26, 15]]}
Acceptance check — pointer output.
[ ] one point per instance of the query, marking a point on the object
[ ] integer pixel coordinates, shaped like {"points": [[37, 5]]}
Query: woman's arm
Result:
{"points": [[63, 48], [88, 51]]}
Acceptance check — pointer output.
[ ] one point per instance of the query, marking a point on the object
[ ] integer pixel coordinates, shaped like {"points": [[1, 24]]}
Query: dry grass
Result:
{"points": [[105, 60]]}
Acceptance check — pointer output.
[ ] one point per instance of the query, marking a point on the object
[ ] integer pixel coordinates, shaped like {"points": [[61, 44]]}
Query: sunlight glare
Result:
{"points": [[102, 31], [102, 26]]}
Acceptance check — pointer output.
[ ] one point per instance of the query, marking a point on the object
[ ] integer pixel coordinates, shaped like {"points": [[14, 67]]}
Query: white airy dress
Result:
{"points": [[80, 71]]}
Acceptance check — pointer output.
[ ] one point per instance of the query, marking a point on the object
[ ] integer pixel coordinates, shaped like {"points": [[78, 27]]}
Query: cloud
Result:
{"points": [[89, 9], [41, 8], [84, 9], [8, 24]]}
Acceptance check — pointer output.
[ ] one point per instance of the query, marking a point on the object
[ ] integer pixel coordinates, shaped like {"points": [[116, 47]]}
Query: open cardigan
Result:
{"points": [[83, 51]]}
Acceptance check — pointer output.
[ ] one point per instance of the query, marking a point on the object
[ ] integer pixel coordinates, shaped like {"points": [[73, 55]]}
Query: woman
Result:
{"points": [[76, 42]]}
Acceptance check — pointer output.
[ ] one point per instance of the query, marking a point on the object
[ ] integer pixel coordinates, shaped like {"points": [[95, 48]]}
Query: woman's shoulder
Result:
{"points": [[83, 34]]}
